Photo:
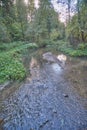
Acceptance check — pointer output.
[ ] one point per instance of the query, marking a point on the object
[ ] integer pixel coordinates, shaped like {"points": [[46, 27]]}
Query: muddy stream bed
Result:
{"points": [[51, 98]]}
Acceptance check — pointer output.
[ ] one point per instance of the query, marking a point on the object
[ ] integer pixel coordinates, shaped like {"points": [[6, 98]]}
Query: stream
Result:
{"points": [[51, 98]]}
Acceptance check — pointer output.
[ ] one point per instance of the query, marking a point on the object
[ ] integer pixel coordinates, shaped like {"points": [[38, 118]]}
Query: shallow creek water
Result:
{"points": [[48, 99]]}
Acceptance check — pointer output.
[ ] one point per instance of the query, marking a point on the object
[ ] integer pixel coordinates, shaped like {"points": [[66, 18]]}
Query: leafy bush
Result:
{"points": [[4, 34], [68, 49], [45, 42], [82, 46], [11, 45], [79, 53], [16, 31], [54, 35], [17, 46], [10, 68], [72, 52]]}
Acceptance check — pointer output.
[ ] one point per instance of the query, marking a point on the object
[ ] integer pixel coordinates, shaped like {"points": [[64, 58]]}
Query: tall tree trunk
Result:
{"points": [[82, 35], [22, 28], [78, 10], [69, 6]]}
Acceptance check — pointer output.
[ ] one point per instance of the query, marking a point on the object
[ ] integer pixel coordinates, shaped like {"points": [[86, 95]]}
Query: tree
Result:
{"points": [[4, 34], [77, 28], [69, 6], [83, 20], [5, 19], [46, 20], [31, 10], [21, 15]]}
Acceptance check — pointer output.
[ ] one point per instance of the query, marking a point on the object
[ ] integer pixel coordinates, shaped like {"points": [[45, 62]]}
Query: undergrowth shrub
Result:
{"points": [[65, 47], [82, 46], [11, 68]]}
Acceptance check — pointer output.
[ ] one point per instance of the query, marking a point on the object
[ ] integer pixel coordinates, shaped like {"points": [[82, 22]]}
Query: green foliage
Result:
{"points": [[77, 28], [46, 24], [8, 46], [54, 35], [66, 48], [21, 48], [31, 9], [16, 31], [16, 46], [20, 21], [82, 46], [10, 68], [79, 53], [45, 42], [4, 34], [30, 33]]}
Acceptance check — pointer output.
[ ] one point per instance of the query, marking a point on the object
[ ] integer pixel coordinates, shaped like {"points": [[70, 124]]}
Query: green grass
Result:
{"points": [[11, 65], [78, 52], [63, 46], [8, 46]]}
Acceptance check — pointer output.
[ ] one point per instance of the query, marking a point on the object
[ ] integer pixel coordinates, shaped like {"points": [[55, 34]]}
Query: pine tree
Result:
{"points": [[69, 6], [21, 14], [46, 19], [31, 10]]}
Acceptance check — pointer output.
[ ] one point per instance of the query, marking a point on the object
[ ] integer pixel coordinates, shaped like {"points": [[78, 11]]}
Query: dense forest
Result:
{"points": [[23, 25], [21, 21]]}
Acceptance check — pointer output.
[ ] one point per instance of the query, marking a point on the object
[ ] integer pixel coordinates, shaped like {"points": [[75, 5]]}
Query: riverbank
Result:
{"points": [[65, 47]]}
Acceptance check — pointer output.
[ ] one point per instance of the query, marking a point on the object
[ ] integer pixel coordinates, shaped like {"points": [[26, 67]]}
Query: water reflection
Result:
{"points": [[56, 68], [62, 58]]}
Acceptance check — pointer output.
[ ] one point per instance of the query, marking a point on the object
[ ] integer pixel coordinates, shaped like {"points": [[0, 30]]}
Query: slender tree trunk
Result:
{"points": [[22, 28], [69, 6], [82, 35], [78, 9]]}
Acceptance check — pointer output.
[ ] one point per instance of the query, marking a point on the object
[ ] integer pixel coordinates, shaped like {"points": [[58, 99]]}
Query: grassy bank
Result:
{"points": [[11, 65], [66, 48], [79, 51]]}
